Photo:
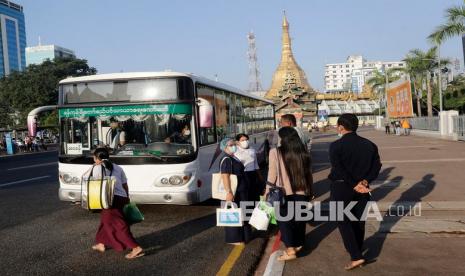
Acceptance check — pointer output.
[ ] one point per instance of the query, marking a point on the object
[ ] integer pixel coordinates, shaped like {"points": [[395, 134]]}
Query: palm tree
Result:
{"points": [[455, 25], [378, 81], [422, 65]]}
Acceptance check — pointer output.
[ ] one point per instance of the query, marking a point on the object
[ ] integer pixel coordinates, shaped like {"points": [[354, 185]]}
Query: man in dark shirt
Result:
{"points": [[355, 163]]}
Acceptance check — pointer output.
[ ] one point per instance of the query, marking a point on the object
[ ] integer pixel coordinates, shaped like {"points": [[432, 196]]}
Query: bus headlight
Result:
{"points": [[174, 180], [69, 178]]}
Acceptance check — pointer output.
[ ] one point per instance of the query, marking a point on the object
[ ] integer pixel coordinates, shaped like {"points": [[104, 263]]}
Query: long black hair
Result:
{"points": [[102, 154], [296, 159]]}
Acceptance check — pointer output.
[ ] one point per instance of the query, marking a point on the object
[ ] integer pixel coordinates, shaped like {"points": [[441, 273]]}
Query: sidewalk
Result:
{"points": [[416, 171]]}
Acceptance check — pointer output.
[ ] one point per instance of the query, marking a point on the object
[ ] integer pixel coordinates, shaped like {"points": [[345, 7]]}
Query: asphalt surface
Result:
{"points": [[416, 171], [43, 236]]}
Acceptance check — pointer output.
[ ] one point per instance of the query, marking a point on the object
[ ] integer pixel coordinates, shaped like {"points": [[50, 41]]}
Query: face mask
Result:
{"points": [[339, 135], [232, 149], [244, 144], [187, 132]]}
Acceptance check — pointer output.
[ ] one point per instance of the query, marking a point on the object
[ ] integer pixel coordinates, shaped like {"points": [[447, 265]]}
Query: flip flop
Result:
{"points": [[286, 257], [130, 257], [98, 248], [352, 266]]}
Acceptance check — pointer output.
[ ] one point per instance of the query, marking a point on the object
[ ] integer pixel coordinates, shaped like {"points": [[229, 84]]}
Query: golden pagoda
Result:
{"points": [[288, 66]]}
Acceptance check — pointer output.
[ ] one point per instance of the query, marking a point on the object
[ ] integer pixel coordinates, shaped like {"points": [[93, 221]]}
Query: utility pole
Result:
{"points": [[439, 79], [385, 92]]}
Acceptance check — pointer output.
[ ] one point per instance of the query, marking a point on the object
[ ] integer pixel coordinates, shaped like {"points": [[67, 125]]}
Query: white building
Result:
{"points": [[364, 109], [352, 74], [41, 53]]}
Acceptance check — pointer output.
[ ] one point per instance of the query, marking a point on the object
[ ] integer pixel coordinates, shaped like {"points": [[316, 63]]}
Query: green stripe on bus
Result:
{"points": [[125, 110]]}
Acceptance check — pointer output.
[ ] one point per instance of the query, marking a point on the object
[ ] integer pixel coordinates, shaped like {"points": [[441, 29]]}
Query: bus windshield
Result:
{"points": [[157, 130]]}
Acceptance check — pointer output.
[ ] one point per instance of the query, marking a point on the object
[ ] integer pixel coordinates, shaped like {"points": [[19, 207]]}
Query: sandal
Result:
{"points": [[99, 247], [134, 255], [286, 257], [354, 264]]}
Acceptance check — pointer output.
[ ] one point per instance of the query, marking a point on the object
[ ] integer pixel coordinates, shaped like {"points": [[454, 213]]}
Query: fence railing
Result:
{"points": [[425, 123], [459, 127]]}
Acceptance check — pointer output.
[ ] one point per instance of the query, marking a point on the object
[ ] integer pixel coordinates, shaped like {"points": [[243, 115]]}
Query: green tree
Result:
{"points": [[37, 85], [378, 81], [422, 66], [455, 25]]}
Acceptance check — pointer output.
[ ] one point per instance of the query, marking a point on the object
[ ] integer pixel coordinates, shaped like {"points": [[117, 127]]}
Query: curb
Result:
{"points": [[269, 265]]}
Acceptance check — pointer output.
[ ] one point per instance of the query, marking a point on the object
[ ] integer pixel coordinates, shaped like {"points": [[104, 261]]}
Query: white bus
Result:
{"points": [[163, 128]]}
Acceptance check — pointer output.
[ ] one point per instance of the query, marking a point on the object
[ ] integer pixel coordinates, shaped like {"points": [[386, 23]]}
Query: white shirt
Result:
{"points": [[117, 172], [248, 158]]}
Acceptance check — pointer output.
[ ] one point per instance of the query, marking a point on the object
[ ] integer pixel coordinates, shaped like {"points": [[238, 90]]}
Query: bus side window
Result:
{"points": [[207, 135]]}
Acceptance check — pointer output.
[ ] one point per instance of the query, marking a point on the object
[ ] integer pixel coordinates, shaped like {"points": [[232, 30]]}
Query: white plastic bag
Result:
{"points": [[259, 219], [231, 217]]}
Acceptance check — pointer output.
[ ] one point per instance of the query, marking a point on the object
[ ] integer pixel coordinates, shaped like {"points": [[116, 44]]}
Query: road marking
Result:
{"points": [[424, 160], [33, 166], [22, 181], [231, 260], [408, 161]]}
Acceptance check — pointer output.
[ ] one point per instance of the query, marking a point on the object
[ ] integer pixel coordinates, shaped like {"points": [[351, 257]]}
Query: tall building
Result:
{"points": [[288, 66], [13, 38], [41, 53], [353, 74]]}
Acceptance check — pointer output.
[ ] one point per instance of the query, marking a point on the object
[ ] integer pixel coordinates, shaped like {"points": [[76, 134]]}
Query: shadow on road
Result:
{"points": [[322, 229], [171, 236], [408, 200]]}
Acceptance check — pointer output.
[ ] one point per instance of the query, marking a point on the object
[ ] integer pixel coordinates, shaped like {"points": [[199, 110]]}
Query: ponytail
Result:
{"points": [[107, 164], [103, 155]]}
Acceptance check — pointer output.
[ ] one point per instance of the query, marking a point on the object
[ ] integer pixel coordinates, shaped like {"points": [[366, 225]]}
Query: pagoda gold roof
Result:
{"points": [[287, 66]]}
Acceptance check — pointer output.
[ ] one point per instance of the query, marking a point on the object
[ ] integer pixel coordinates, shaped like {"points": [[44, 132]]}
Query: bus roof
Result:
{"points": [[143, 75]]}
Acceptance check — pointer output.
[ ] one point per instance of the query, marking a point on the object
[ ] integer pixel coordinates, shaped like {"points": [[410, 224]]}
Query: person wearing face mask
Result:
{"points": [[182, 137], [355, 162], [229, 164], [248, 158]]}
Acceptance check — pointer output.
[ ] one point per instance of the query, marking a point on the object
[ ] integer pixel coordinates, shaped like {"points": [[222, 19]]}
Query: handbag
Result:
{"points": [[218, 190], [231, 217], [132, 214], [276, 194], [97, 192], [259, 219]]}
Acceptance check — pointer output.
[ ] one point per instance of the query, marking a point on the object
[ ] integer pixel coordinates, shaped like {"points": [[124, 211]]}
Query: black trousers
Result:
{"points": [[243, 233], [256, 188], [352, 232], [292, 231], [388, 130]]}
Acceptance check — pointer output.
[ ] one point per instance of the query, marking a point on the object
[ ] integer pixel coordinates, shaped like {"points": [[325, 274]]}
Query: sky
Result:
{"points": [[209, 38]]}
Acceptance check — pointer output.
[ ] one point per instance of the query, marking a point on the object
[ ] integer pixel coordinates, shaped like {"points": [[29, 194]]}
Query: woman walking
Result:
{"points": [[114, 231], [248, 158], [290, 168], [231, 165]]}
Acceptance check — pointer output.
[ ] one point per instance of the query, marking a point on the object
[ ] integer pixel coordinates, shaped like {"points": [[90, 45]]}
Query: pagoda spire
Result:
{"points": [[287, 65]]}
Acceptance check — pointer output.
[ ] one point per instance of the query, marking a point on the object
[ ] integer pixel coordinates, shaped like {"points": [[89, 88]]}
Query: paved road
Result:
{"points": [[42, 235], [415, 171]]}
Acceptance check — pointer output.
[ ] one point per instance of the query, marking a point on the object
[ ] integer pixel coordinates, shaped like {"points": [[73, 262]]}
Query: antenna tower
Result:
{"points": [[254, 73]]}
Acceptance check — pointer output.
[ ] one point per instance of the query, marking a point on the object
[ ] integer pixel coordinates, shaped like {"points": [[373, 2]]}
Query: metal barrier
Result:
{"points": [[459, 127], [425, 123]]}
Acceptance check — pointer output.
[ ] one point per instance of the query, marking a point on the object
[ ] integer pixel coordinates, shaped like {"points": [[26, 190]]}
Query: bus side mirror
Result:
{"points": [[205, 113]]}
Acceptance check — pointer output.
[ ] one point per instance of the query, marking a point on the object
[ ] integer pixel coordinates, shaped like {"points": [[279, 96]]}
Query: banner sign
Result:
{"points": [[125, 110], [399, 104]]}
